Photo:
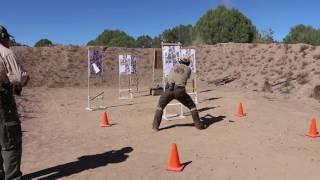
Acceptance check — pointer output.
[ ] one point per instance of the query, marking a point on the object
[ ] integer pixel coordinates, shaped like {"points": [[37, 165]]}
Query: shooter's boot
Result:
{"points": [[197, 123], [157, 120]]}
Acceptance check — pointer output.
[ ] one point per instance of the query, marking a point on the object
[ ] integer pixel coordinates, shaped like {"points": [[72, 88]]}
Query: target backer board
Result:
{"points": [[95, 62], [192, 88], [170, 57], [125, 64], [95, 70], [157, 69], [190, 54], [127, 67], [134, 73], [133, 65]]}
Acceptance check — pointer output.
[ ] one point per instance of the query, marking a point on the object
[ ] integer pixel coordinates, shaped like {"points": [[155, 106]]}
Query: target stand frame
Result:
{"points": [[128, 75], [125, 97], [193, 92], [100, 96], [128, 90], [170, 117]]}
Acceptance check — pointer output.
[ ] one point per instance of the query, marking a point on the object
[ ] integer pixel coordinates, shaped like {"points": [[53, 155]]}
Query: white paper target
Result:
{"points": [[96, 61], [133, 65], [191, 54], [95, 68], [170, 57], [125, 64]]}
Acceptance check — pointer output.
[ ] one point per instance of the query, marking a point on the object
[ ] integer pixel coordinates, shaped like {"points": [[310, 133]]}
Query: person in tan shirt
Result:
{"points": [[175, 89], [12, 79]]}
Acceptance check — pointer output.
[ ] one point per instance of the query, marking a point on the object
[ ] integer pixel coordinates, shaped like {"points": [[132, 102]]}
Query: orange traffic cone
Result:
{"points": [[174, 162], [240, 112], [105, 121], [313, 132]]}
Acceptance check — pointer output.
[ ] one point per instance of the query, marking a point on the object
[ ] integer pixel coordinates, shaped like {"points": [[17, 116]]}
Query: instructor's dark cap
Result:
{"points": [[4, 33]]}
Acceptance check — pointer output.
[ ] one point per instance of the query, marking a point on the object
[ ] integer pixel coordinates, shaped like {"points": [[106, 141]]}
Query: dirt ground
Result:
{"points": [[63, 140]]}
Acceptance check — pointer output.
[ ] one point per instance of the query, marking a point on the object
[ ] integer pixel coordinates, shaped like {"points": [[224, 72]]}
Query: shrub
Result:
{"points": [[224, 25], [264, 36], [114, 38], [180, 33], [303, 34], [144, 41], [43, 43]]}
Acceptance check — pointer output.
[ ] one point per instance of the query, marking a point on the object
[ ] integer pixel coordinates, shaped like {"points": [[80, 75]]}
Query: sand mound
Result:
{"points": [[278, 68]]}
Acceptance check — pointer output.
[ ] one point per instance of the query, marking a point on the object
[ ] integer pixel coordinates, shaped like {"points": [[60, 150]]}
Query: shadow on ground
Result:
{"points": [[83, 163], [200, 110], [206, 109], [208, 120], [210, 99], [115, 106], [185, 164], [208, 90]]}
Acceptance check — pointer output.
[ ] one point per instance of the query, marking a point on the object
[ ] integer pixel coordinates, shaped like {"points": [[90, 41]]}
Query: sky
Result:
{"points": [[79, 21]]}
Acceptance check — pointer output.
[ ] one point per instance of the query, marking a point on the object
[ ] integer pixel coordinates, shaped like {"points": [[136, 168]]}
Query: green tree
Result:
{"points": [[43, 43], [115, 38], [144, 41], [156, 41], [224, 25], [264, 36], [180, 33], [303, 34]]}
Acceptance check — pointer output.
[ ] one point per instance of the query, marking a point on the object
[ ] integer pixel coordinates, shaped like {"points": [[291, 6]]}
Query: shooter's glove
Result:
{"points": [[17, 86], [17, 89]]}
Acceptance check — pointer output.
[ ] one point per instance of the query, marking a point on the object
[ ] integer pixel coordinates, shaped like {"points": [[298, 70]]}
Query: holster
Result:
{"points": [[170, 86]]}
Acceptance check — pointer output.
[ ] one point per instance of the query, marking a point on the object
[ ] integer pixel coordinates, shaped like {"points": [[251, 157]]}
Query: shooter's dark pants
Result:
{"points": [[180, 94], [10, 136]]}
